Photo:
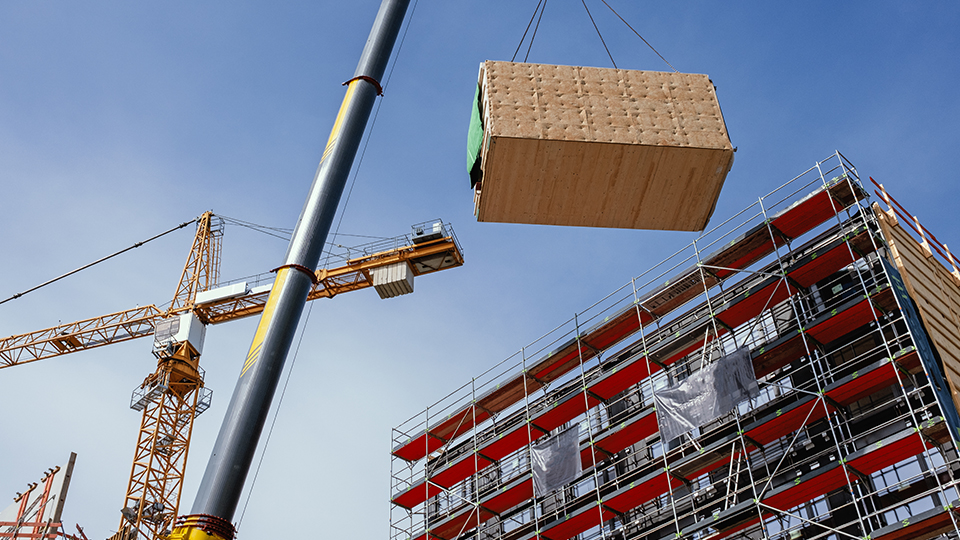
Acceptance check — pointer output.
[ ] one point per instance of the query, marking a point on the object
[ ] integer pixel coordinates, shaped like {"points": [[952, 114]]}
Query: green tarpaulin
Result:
{"points": [[475, 140]]}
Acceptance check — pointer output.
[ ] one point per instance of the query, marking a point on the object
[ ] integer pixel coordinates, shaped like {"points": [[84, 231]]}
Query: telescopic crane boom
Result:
{"points": [[219, 493]]}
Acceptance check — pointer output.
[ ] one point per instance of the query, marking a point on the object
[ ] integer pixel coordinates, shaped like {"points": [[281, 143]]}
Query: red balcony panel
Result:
{"points": [[465, 520], [822, 265], [641, 491], [460, 469], [817, 208], [628, 433], [842, 322], [738, 527], [623, 377], [717, 463], [563, 361], [562, 411], [505, 443], [614, 330], [417, 447], [808, 489], [742, 252], [749, 304], [673, 357], [862, 385], [886, 453], [788, 420], [619, 437], [770, 358], [510, 496], [573, 524], [416, 494]]}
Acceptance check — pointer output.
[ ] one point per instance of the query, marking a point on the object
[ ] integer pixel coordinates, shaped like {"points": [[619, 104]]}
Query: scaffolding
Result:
{"points": [[853, 433]]}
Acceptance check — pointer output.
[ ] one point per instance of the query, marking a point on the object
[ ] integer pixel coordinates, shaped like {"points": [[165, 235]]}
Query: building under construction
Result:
{"points": [[848, 309]]}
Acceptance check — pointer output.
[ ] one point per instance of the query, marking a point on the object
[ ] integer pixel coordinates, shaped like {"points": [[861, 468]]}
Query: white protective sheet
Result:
{"points": [[556, 461], [706, 394]]}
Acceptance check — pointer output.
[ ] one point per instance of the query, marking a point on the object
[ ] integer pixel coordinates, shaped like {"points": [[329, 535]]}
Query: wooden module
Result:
{"points": [[935, 290], [566, 145]]}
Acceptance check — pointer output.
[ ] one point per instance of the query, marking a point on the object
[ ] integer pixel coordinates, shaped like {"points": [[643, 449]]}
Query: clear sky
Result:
{"points": [[119, 120]]}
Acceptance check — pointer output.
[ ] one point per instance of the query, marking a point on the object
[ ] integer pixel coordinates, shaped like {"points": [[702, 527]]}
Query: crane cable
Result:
{"points": [[284, 233], [100, 260], [584, 2], [540, 9], [306, 319], [532, 17], [638, 35]]}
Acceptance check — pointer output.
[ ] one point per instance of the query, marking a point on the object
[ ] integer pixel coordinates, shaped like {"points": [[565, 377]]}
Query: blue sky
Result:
{"points": [[119, 120]]}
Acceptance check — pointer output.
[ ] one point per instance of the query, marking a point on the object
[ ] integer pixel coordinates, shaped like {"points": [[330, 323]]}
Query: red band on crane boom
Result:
{"points": [[371, 80], [300, 267]]}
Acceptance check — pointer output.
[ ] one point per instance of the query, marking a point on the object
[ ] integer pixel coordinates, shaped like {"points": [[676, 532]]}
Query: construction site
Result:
{"points": [[743, 332]]}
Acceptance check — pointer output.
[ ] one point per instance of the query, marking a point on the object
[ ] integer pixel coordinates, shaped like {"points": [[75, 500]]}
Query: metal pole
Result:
{"points": [[233, 452]]}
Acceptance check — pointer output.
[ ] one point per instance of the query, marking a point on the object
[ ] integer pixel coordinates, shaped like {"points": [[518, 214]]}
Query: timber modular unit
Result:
{"points": [[595, 147], [849, 431]]}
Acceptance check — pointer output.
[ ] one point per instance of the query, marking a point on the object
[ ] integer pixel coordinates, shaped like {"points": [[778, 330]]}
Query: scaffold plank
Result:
{"points": [[563, 410], [641, 490], [623, 376], [618, 437], [576, 522], [764, 295], [512, 440], [923, 526], [863, 382], [787, 420], [817, 207], [841, 321]]}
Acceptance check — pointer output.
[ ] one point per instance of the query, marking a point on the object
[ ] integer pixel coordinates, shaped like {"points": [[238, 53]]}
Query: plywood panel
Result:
{"points": [[600, 147], [937, 296]]}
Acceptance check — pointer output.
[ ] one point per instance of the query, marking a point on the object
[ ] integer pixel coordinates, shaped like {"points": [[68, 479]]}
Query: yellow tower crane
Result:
{"points": [[171, 397]]}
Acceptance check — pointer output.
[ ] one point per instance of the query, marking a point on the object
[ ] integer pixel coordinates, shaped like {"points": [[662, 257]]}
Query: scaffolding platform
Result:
{"points": [[851, 433]]}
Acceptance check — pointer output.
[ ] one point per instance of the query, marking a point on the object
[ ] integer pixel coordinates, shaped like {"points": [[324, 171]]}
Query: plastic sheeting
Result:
{"points": [[556, 461], [475, 139], [707, 394]]}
